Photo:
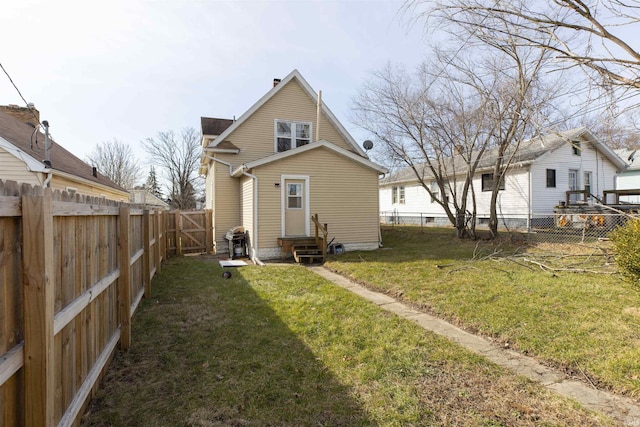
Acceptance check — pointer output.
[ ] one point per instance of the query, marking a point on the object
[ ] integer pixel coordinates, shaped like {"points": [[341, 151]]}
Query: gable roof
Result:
{"points": [[16, 138], [295, 74], [528, 152], [313, 146], [213, 126]]}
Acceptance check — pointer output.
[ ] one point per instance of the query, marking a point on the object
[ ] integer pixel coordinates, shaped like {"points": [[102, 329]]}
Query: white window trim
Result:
{"points": [[283, 201], [293, 133]]}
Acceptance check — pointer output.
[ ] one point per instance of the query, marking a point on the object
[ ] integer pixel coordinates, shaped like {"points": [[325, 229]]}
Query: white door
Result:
{"points": [[573, 184], [295, 213], [587, 183]]}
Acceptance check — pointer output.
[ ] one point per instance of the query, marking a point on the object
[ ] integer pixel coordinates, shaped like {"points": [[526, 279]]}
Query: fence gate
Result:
{"points": [[190, 232]]}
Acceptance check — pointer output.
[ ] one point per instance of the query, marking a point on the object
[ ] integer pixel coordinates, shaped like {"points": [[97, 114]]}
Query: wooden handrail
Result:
{"points": [[321, 228]]}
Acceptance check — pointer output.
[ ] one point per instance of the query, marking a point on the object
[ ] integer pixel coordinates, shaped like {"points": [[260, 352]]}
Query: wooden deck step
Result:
{"points": [[307, 253]]}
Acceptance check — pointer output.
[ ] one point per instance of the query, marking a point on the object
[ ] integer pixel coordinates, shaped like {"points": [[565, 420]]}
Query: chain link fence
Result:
{"points": [[580, 224]]}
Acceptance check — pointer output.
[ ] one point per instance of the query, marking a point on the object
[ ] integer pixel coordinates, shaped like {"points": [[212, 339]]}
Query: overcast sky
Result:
{"points": [[128, 69]]}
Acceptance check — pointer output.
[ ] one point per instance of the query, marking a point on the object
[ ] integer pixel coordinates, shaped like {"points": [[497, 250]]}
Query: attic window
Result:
{"points": [[575, 148], [290, 134]]}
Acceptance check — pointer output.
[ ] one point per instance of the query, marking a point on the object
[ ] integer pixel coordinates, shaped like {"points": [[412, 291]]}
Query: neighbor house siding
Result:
{"points": [[562, 159], [511, 201], [255, 137], [13, 169], [628, 180], [343, 193], [82, 188]]}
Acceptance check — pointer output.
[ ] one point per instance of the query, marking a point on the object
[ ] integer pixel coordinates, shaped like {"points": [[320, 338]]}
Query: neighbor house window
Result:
{"points": [[575, 148], [433, 186], [290, 134], [397, 195], [551, 178], [487, 182]]}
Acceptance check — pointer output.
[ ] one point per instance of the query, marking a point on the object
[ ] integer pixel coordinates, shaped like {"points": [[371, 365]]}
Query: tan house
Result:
{"points": [[288, 158], [23, 155]]}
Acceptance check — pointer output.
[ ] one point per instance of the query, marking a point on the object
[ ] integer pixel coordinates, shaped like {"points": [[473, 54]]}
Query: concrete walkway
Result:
{"points": [[619, 408]]}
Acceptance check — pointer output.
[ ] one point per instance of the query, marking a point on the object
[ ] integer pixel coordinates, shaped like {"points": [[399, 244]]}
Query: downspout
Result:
{"points": [[47, 160], [254, 243], [230, 170], [48, 180]]}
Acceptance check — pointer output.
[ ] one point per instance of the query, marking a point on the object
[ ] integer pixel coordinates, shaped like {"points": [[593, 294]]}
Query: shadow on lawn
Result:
{"points": [[207, 351]]}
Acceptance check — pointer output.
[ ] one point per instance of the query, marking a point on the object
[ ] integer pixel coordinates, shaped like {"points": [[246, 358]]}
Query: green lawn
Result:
{"points": [[587, 324], [276, 346]]}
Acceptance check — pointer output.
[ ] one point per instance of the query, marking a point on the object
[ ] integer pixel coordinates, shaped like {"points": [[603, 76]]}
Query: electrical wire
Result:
{"points": [[20, 93]]}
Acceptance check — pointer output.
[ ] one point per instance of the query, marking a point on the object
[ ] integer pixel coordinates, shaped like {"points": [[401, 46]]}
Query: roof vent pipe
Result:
{"points": [[318, 113], [94, 171]]}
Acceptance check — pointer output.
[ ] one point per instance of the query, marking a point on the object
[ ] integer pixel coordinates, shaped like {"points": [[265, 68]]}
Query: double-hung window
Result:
{"points": [[397, 195], [290, 134]]}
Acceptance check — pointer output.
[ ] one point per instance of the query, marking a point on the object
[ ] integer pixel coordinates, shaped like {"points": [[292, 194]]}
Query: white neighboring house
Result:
{"points": [[543, 170], [629, 179]]}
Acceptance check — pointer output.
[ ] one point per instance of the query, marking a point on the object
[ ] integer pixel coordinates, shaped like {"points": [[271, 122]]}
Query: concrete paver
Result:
{"points": [[619, 408]]}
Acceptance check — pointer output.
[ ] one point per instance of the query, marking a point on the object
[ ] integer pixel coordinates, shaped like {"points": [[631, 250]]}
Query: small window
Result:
{"points": [[290, 134], [433, 186], [576, 149], [551, 178], [487, 182], [294, 196], [397, 195], [483, 221]]}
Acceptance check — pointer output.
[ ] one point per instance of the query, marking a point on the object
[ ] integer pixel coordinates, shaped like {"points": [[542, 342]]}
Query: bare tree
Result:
{"points": [[178, 158], [442, 120], [588, 34], [116, 161]]}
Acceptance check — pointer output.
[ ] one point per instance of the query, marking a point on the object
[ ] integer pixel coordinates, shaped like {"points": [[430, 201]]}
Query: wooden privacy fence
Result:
{"points": [[190, 232], [72, 273]]}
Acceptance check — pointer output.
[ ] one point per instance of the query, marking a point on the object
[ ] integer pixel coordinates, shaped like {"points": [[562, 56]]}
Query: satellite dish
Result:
{"points": [[368, 145]]}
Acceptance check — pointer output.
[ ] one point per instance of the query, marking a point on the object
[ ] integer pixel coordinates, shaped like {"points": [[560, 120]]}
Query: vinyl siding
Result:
{"points": [[226, 204], [628, 180], [12, 169], [514, 200], [562, 159], [255, 137], [343, 193], [246, 208], [61, 183], [511, 201]]}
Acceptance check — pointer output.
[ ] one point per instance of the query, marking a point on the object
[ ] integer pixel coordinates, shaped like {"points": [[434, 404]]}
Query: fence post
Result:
{"points": [[124, 281], [146, 264], [39, 295], [165, 234], [178, 242], [208, 221], [156, 247]]}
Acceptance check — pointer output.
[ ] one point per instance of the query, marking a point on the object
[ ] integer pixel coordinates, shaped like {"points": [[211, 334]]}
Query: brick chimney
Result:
{"points": [[276, 82], [24, 114]]}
